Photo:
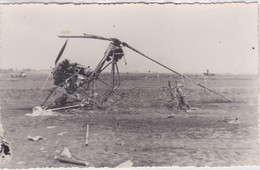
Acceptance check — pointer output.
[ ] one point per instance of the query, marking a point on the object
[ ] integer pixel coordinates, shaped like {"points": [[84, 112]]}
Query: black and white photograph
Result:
{"points": [[129, 85]]}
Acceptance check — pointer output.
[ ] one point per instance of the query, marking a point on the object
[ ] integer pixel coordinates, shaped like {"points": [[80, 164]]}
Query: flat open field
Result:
{"points": [[142, 127]]}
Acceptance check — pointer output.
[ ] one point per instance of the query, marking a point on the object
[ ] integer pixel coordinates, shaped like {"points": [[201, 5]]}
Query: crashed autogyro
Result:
{"points": [[77, 81]]}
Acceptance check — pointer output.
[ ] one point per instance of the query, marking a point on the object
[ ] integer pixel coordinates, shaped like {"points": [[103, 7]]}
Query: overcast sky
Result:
{"points": [[187, 38]]}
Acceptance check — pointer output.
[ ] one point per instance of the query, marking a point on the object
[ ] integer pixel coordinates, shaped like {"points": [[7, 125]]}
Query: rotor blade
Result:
{"points": [[60, 53], [85, 36], [187, 78]]}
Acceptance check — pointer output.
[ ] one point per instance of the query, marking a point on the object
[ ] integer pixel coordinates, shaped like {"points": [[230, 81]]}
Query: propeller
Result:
{"points": [[56, 61], [61, 52], [118, 42]]}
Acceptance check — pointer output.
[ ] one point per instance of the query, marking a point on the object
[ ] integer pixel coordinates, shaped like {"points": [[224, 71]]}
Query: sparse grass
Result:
{"points": [[140, 127]]}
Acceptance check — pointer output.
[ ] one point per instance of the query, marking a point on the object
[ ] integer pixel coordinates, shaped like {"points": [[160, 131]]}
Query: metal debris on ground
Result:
{"points": [[39, 111], [86, 143], [71, 161], [178, 97], [66, 157], [234, 121], [35, 138], [66, 153], [50, 127], [62, 133]]}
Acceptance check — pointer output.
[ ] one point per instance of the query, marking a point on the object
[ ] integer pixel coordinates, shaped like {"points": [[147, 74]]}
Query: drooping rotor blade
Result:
{"points": [[61, 52], [85, 36], [187, 78]]}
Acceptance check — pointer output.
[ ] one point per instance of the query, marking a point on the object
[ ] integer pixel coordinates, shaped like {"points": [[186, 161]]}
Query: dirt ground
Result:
{"points": [[142, 127]]}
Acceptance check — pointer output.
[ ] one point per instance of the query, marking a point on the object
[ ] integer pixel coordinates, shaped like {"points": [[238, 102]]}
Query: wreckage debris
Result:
{"points": [[77, 82], [51, 127], [62, 133], [35, 138], [71, 161], [39, 111], [178, 97], [233, 121], [66, 153], [170, 117], [66, 157], [86, 143]]}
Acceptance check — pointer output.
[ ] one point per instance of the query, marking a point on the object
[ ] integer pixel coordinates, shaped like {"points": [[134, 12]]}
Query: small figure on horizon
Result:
{"points": [[208, 74]]}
